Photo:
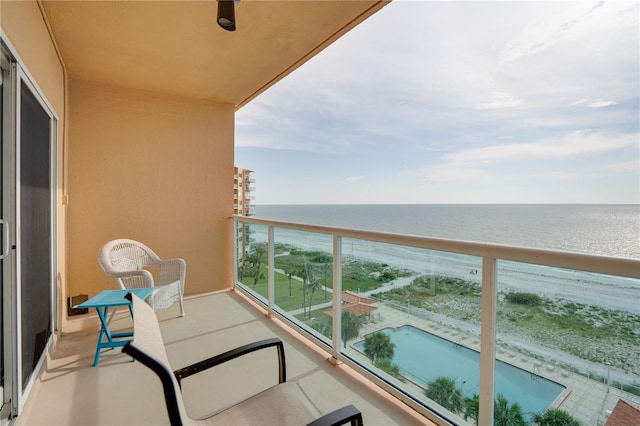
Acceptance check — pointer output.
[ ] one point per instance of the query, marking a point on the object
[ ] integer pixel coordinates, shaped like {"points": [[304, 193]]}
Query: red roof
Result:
{"points": [[354, 309], [624, 414], [354, 303], [350, 297]]}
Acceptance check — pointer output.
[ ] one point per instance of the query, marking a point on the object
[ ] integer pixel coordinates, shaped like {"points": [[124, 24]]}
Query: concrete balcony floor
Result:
{"points": [[72, 392]]}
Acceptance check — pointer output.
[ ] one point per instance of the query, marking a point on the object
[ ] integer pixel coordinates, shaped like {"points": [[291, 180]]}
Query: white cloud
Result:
{"points": [[574, 143], [567, 26], [501, 100], [626, 167], [602, 104], [353, 178], [479, 163]]}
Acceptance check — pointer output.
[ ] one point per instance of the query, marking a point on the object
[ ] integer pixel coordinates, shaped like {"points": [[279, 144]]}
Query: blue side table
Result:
{"points": [[102, 302]]}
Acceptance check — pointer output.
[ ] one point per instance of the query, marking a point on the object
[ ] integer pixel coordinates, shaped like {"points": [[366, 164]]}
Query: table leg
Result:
{"points": [[104, 329]]}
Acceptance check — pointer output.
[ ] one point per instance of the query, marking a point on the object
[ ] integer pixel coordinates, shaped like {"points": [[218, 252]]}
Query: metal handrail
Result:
{"points": [[623, 267]]}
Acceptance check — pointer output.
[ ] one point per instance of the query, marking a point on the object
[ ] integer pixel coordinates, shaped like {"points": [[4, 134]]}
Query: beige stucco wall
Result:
{"points": [[154, 169], [136, 165], [26, 33]]}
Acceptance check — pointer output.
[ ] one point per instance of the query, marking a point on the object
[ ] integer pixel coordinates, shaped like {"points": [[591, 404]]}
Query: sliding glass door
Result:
{"points": [[27, 252], [34, 229]]}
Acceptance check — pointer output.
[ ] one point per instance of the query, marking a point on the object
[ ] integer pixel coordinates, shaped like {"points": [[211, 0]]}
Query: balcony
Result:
{"points": [[460, 295], [71, 391]]}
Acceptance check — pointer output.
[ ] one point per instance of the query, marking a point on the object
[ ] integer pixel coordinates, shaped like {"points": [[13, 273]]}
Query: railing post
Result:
{"points": [[235, 254], [337, 298], [270, 270], [488, 341]]}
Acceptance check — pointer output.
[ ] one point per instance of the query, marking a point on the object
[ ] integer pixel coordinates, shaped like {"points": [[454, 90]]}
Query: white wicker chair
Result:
{"points": [[126, 260]]}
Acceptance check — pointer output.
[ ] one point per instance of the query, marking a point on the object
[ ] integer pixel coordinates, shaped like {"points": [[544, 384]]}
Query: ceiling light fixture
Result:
{"points": [[227, 14]]}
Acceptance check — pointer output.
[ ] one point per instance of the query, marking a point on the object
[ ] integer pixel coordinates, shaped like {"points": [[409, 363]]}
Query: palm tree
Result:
{"points": [[378, 346], [252, 267], [443, 390], [314, 284], [350, 327], [323, 326], [472, 407], [505, 414], [386, 365], [257, 277], [289, 276], [304, 274], [555, 417]]}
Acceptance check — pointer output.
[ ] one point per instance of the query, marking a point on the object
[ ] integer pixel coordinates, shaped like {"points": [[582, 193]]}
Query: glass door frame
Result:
{"points": [[7, 335]]}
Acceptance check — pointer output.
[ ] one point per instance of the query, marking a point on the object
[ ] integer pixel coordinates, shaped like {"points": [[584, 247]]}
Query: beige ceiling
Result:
{"points": [[176, 47]]}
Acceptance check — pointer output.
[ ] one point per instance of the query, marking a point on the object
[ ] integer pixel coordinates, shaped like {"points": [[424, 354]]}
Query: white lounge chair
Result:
{"points": [[282, 404], [126, 260]]}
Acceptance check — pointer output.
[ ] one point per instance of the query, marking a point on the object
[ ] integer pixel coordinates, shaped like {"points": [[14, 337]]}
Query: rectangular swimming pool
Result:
{"points": [[423, 356]]}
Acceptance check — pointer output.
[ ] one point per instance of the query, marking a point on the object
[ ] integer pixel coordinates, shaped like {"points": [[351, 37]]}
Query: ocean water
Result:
{"points": [[608, 230]]}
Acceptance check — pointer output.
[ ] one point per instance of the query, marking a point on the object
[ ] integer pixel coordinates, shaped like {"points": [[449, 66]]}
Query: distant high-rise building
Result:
{"points": [[242, 189]]}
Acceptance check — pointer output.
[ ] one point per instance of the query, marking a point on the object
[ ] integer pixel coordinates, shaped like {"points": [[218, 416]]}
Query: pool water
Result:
{"points": [[423, 356]]}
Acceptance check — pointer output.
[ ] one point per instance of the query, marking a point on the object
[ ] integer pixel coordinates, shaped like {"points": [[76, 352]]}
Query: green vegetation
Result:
{"points": [[444, 391], [507, 414], [555, 417], [380, 349], [350, 326], [251, 267], [590, 332], [472, 407], [378, 346], [528, 299], [389, 367], [303, 278]]}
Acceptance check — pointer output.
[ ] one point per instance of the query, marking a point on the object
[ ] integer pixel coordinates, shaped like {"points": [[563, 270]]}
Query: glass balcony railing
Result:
{"points": [[462, 332]]}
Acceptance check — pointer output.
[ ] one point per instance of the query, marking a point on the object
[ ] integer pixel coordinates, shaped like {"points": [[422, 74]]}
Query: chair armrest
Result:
{"points": [[235, 353], [177, 262], [178, 265], [348, 414], [172, 270]]}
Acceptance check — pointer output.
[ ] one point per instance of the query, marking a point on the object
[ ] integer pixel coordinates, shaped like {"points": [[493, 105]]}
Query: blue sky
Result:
{"points": [[452, 102]]}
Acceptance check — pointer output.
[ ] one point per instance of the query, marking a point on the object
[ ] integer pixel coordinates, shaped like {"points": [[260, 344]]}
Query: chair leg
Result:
{"points": [[181, 307]]}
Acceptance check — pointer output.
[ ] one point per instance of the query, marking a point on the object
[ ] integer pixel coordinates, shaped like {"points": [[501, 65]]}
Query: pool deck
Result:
{"points": [[587, 400]]}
